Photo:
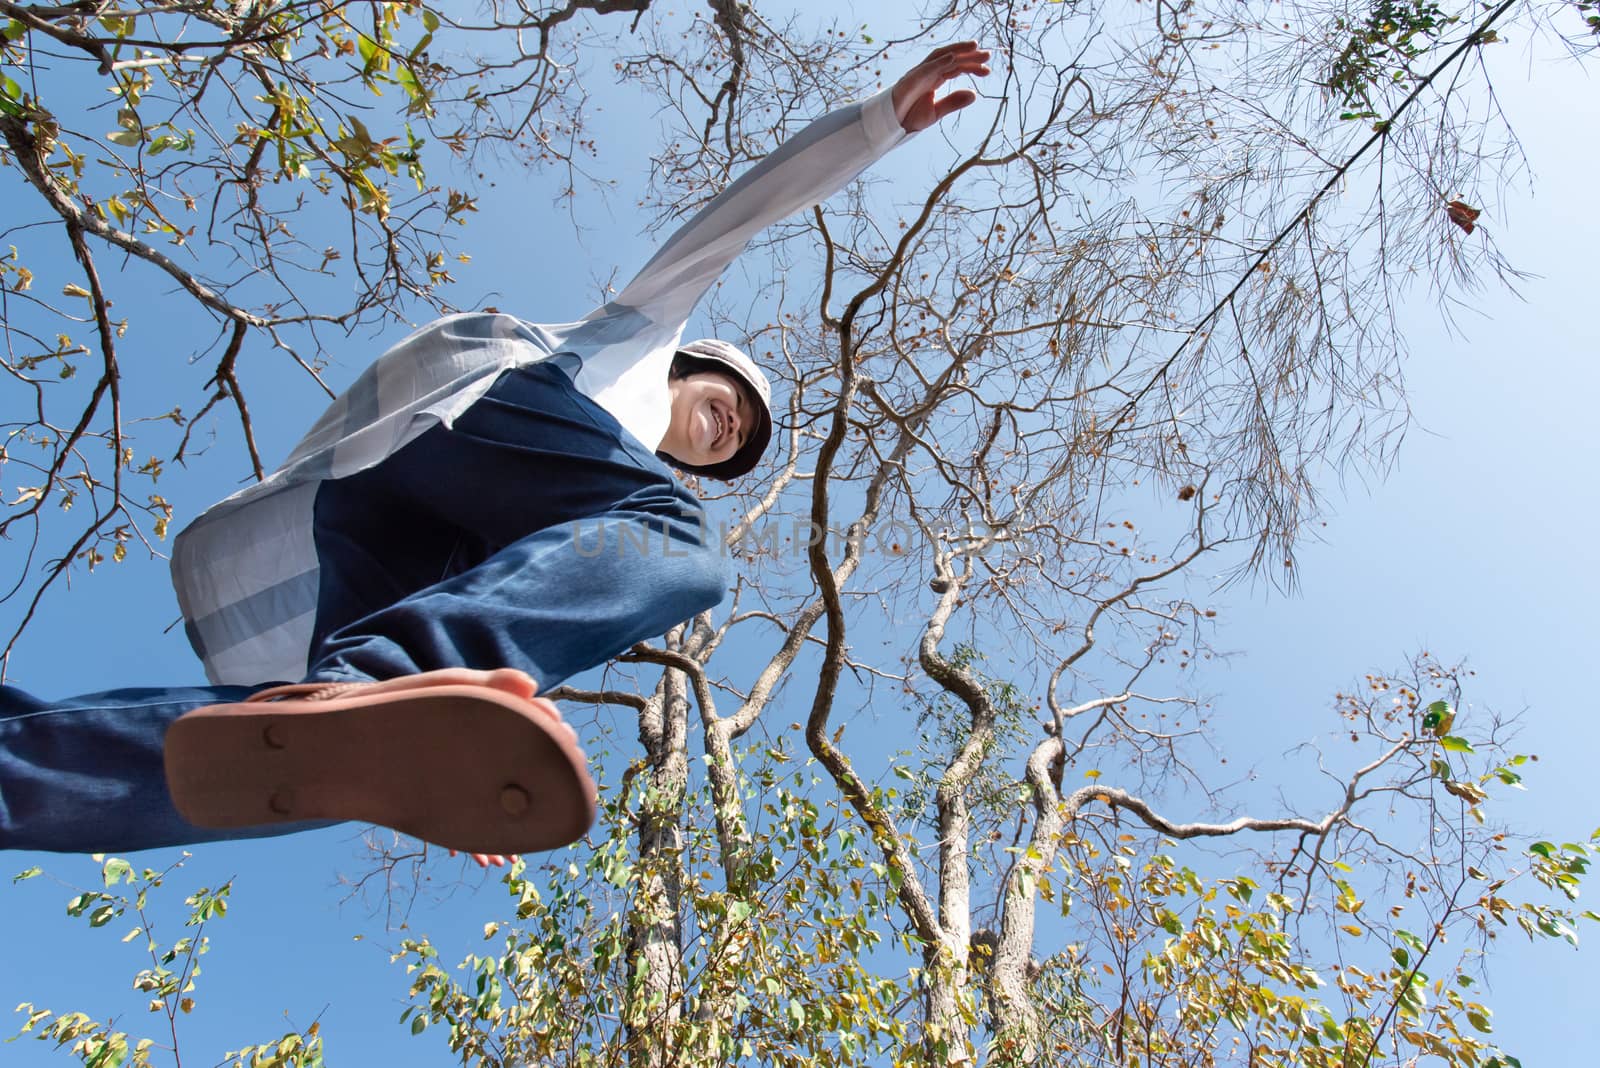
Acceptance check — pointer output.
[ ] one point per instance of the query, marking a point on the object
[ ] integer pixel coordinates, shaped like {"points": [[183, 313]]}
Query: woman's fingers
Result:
{"points": [[915, 94]]}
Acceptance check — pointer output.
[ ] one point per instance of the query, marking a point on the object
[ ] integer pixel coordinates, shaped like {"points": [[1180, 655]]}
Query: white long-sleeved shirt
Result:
{"points": [[246, 570]]}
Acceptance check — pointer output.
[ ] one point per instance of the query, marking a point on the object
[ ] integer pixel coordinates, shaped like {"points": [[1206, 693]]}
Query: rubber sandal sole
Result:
{"points": [[465, 767]]}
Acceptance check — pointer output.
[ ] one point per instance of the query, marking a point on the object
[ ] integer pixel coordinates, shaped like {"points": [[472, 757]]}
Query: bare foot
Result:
{"points": [[507, 680], [484, 860]]}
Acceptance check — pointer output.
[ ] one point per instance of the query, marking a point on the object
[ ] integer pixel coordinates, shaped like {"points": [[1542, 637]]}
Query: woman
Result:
{"points": [[424, 562]]}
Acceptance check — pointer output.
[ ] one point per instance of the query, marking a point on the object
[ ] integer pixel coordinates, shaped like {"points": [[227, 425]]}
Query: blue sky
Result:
{"points": [[1477, 545]]}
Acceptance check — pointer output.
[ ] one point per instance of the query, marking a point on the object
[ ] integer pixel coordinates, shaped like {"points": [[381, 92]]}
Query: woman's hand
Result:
{"points": [[914, 95]]}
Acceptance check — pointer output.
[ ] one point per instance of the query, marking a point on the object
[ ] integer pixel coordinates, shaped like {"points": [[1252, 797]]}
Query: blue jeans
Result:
{"points": [[535, 534]]}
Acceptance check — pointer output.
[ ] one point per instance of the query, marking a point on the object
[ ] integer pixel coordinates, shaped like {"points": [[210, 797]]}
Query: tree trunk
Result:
{"points": [[1016, 1021], [655, 935]]}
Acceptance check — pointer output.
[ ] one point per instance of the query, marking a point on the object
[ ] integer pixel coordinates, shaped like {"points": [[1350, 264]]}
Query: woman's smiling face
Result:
{"points": [[712, 418]]}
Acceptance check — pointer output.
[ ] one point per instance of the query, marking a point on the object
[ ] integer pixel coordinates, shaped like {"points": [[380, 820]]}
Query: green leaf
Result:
{"points": [[414, 90], [419, 1023], [102, 916], [129, 138], [1455, 744], [1438, 717], [10, 96], [182, 143], [120, 26], [29, 874], [116, 868]]}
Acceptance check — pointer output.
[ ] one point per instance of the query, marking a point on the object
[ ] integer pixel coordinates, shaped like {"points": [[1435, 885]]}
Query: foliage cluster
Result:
{"points": [[1139, 312], [168, 982]]}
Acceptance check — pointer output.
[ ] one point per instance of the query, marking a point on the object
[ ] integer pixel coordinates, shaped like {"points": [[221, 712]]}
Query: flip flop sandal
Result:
{"points": [[463, 766]]}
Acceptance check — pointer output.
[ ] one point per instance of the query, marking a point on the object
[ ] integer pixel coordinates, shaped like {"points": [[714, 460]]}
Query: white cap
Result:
{"points": [[745, 369]]}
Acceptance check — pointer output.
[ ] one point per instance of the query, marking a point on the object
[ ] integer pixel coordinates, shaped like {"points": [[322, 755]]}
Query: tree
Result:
{"points": [[1135, 297], [1339, 949], [1135, 325]]}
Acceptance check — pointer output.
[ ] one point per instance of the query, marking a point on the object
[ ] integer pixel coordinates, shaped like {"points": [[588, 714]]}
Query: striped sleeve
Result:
{"points": [[805, 170]]}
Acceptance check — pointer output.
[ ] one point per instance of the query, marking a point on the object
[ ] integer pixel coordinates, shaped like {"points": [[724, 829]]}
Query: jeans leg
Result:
{"points": [[534, 534], [85, 775], [553, 604]]}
